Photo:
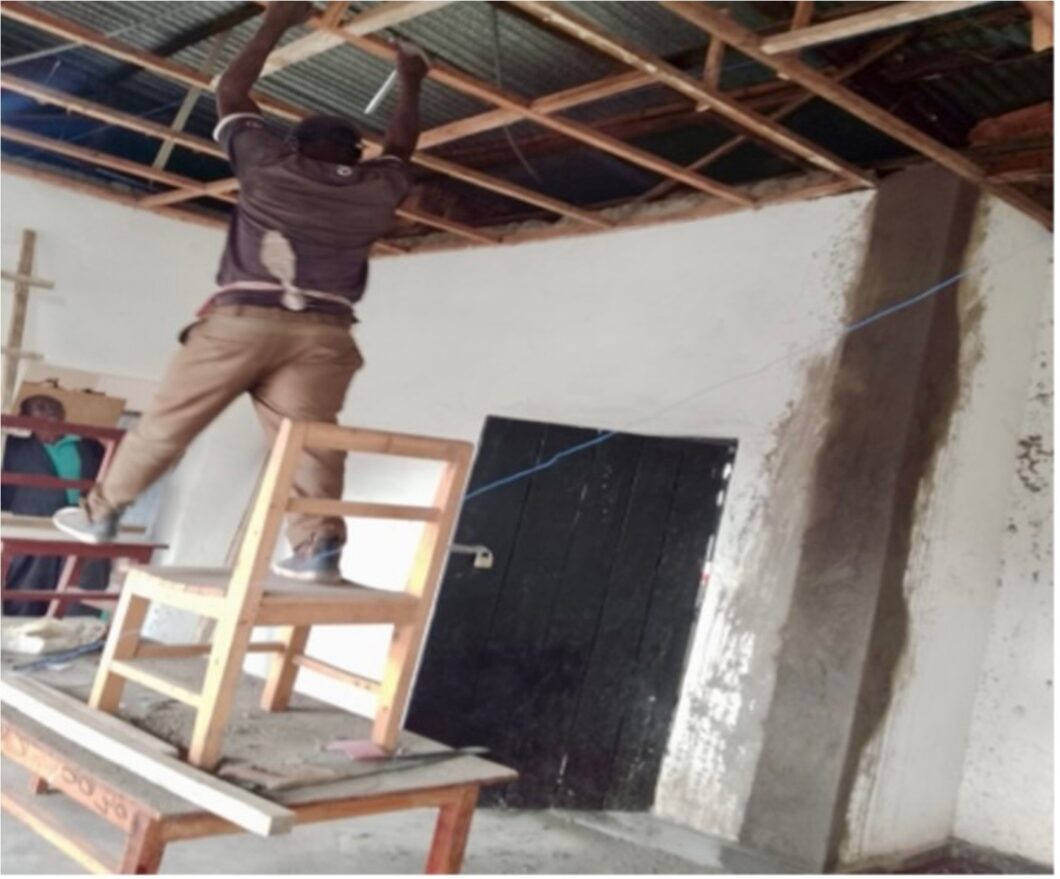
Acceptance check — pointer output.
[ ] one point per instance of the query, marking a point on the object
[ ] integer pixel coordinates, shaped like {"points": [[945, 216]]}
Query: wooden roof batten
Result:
{"points": [[75, 33], [791, 67], [330, 30]]}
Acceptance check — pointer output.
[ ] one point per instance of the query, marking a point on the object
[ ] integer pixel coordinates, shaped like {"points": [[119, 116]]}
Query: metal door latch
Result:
{"points": [[483, 555]]}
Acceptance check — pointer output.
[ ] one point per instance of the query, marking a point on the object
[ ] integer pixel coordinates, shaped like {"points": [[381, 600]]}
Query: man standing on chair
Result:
{"points": [[278, 326]]}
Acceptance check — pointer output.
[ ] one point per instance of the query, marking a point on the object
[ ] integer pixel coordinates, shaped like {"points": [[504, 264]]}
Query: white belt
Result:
{"points": [[292, 298]]}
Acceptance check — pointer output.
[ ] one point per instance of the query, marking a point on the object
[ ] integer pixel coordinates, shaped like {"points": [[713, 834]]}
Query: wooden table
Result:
{"points": [[47, 540], [150, 818]]}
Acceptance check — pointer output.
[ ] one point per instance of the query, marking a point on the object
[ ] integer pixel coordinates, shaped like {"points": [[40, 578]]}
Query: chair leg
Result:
{"points": [[122, 643], [223, 669], [283, 671], [394, 688]]}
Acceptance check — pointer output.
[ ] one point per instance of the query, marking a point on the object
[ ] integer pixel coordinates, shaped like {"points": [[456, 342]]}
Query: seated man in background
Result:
{"points": [[47, 453]]}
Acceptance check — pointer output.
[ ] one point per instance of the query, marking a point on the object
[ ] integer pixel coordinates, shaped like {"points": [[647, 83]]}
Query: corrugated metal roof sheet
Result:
{"points": [[534, 61]]}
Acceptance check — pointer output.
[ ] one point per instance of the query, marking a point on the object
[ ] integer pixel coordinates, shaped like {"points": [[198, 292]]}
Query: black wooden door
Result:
{"points": [[566, 657]]}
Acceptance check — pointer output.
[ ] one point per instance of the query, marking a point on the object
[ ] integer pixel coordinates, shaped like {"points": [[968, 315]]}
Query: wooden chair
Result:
{"points": [[249, 595]]}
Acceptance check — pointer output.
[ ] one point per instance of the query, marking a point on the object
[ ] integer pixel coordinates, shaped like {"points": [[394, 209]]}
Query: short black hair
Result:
{"points": [[41, 400], [336, 129]]}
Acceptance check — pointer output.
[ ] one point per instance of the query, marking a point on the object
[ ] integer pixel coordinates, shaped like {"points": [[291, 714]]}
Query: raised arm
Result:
{"points": [[404, 128], [233, 89]]}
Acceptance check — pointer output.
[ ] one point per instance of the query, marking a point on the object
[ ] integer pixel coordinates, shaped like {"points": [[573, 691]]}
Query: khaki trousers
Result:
{"points": [[294, 365]]}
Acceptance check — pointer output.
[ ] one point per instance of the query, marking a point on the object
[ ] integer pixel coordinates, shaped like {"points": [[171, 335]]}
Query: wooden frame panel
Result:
{"points": [[362, 510], [803, 36]]}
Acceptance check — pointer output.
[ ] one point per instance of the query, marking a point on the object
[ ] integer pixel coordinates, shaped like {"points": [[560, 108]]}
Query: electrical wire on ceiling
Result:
{"points": [[499, 78]]}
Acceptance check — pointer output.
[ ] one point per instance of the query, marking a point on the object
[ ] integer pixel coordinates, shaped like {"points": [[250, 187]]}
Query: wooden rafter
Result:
{"points": [[523, 108], [874, 54], [861, 23], [377, 18], [198, 144], [606, 87], [191, 98], [125, 166], [1041, 23], [73, 32], [667, 74], [803, 14], [100, 159], [107, 193], [713, 63], [694, 206], [792, 68]]}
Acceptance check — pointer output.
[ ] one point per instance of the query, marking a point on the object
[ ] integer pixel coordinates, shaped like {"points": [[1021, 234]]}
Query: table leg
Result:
{"points": [[71, 575], [144, 847], [451, 832]]}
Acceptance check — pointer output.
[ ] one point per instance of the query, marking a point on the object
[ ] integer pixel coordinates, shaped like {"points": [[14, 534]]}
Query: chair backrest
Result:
{"points": [[274, 500]]}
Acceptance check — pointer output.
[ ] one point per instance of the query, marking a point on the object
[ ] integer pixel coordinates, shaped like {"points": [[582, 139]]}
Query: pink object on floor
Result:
{"points": [[359, 749]]}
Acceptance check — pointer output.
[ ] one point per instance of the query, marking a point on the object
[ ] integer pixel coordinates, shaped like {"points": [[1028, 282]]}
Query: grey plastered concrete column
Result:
{"points": [[894, 390]]}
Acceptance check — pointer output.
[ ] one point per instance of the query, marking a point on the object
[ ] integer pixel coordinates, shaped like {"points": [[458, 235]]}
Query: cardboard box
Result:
{"points": [[82, 406]]}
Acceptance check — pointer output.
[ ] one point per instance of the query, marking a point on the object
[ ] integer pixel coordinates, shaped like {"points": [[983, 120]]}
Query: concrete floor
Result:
{"points": [[501, 842]]}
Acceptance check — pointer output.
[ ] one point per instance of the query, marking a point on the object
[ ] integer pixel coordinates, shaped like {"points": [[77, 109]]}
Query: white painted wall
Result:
{"points": [[1006, 795], [907, 793], [721, 327]]}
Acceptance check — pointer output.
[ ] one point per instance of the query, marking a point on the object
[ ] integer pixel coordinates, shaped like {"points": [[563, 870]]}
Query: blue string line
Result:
{"points": [[845, 330]]}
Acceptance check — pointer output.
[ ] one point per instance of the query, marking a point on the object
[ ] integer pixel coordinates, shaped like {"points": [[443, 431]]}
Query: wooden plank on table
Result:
{"points": [[106, 723], [663, 645], [861, 23], [83, 725], [282, 741]]}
